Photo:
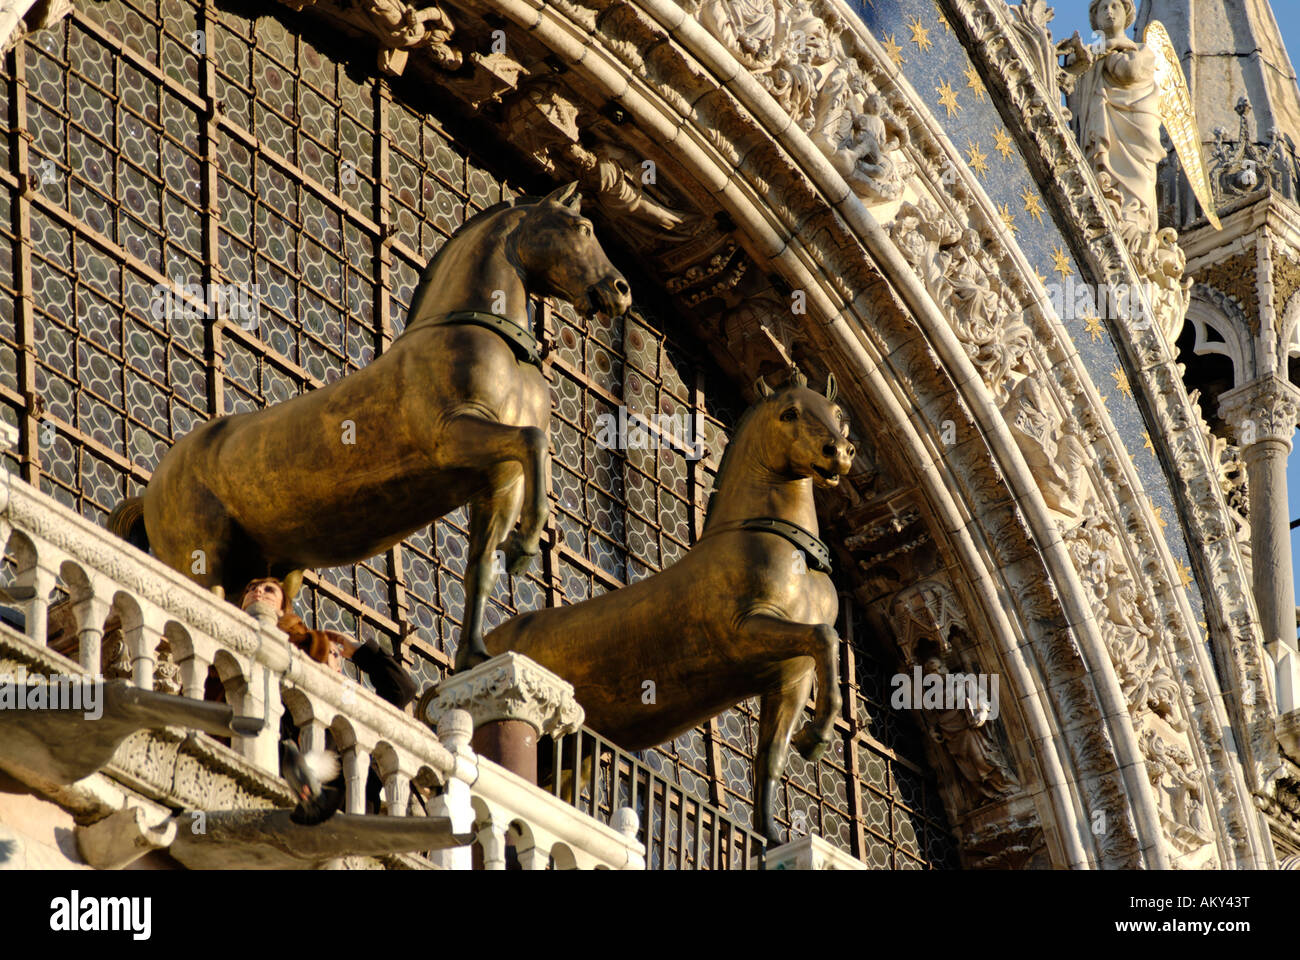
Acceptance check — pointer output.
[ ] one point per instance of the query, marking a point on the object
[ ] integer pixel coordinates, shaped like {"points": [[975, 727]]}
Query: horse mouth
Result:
{"points": [[828, 476]]}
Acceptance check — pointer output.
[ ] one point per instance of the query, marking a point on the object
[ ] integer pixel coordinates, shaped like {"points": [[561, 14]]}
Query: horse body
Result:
{"points": [[450, 414], [743, 614], [394, 479], [657, 630]]}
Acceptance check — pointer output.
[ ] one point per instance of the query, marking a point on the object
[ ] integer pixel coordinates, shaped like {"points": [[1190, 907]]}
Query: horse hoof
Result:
{"points": [[810, 746], [470, 656]]}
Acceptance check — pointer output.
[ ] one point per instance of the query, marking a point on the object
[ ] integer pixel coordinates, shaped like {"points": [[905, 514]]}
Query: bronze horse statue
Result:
{"points": [[455, 411], [748, 611]]}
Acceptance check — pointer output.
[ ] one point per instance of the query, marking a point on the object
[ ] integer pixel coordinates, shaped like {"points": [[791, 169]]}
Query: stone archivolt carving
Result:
{"points": [[965, 282], [1125, 615], [797, 52], [1179, 789], [1232, 619], [1030, 20]]}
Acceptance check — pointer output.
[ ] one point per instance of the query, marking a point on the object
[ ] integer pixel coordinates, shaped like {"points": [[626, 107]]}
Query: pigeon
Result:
{"points": [[306, 773]]}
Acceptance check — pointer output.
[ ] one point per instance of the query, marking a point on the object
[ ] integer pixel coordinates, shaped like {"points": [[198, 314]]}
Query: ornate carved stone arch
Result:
{"points": [[1220, 328], [749, 208]]}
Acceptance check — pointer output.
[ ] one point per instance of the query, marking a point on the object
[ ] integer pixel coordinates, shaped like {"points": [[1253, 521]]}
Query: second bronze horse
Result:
{"points": [[749, 611]]}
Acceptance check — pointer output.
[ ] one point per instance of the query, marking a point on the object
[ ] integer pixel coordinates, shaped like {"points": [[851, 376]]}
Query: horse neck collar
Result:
{"points": [[521, 340], [819, 555]]}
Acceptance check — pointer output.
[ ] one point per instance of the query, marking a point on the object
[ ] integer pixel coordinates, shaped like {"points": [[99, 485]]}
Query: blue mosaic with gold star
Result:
{"points": [[917, 36]]}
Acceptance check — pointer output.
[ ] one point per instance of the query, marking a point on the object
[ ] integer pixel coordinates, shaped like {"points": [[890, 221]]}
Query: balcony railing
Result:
{"points": [[174, 629], [678, 830]]}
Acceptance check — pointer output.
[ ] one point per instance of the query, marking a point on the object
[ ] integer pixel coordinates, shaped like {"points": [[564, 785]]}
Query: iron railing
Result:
{"points": [[680, 831]]}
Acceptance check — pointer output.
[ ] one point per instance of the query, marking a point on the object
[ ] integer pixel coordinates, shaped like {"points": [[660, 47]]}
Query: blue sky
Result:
{"points": [[1072, 15]]}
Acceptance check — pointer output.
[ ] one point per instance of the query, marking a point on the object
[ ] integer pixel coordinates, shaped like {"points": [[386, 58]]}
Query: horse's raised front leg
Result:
{"points": [[489, 520], [474, 442], [778, 712], [781, 639]]}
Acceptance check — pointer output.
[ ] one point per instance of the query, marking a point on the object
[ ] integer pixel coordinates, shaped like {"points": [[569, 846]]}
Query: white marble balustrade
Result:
{"points": [[263, 674]]}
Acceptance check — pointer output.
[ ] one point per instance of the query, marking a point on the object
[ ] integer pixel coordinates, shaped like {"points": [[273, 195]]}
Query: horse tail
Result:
{"points": [[127, 522]]}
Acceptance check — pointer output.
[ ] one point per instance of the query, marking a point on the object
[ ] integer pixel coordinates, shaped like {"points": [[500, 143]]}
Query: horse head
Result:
{"points": [[806, 433], [561, 257]]}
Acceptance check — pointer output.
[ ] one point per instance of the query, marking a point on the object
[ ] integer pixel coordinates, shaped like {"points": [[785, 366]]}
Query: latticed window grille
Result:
{"points": [[155, 144]]}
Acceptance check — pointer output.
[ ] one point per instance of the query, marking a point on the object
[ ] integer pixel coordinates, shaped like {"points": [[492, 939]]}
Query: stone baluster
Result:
{"points": [[356, 767], [397, 792], [454, 730], [142, 638], [42, 577], [194, 673], [91, 611], [312, 736], [491, 839], [262, 699]]}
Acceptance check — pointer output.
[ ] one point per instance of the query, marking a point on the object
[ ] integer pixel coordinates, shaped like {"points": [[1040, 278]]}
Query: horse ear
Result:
{"points": [[762, 389], [832, 387], [567, 194]]}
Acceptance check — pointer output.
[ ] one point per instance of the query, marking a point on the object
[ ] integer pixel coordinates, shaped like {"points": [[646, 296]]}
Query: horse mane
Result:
{"points": [[741, 424], [481, 216], [477, 218]]}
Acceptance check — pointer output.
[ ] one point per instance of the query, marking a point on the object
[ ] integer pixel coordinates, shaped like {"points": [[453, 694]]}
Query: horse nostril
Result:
{"points": [[849, 451], [621, 286]]}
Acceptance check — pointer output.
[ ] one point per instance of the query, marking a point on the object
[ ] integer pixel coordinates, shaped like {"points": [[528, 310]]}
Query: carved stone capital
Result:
{"points": [[509, 687], [1264, 409], [811, 852]]}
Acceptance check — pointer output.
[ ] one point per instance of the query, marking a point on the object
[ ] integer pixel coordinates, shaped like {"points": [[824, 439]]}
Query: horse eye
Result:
{"points": [[790, 414]]}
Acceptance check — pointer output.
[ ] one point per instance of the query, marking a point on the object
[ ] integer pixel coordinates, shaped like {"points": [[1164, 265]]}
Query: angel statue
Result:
{"points": [[1124, 92]]}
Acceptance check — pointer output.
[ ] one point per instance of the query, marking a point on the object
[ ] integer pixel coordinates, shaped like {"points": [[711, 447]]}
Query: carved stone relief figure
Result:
{"points": [[1124, 617], [1178, 789], [1125, 93], [926, 616], [963, 731], [745, 27], [1055, 456], [966, 286], [795, 51], [546, 122], [399, 28]]}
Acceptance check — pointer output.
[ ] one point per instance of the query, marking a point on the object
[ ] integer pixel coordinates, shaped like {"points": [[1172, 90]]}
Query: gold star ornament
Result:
{"points": [[1033, 206], [1061, 263], [948, 98], [920, 35], [893, 50], [1002, 144]]}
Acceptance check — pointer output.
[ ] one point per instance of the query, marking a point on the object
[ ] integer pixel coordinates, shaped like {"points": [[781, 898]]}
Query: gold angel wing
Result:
{"points": [[1179, 116]]}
